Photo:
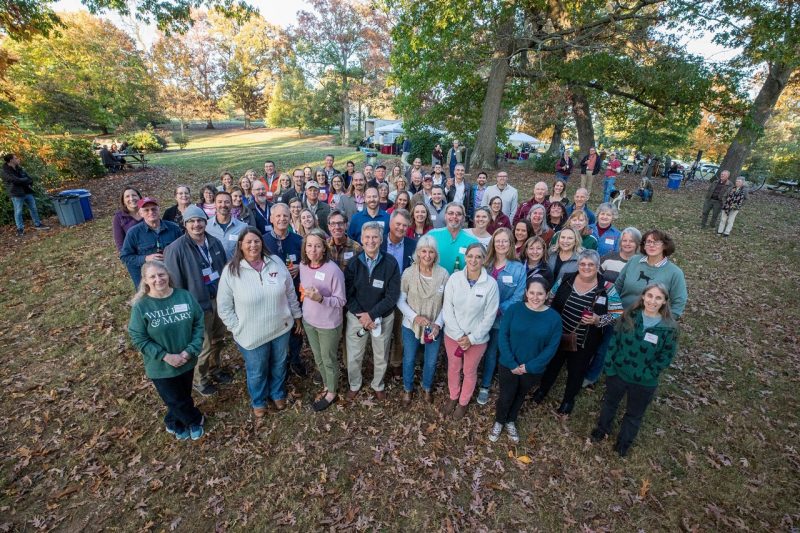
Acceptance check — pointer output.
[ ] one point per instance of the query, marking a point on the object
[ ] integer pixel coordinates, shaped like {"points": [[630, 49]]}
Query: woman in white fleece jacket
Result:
{"points": [[471, 301], [257, 303]]}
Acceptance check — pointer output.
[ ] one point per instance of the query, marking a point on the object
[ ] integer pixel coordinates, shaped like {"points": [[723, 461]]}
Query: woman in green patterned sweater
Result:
{"points": [[643, 345]]}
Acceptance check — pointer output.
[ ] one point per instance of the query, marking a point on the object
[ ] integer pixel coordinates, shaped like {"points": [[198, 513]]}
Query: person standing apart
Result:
{"points": [[564, 166], [734, 200], [166, 327], [529, 336], [613, 168], [717, 192], [454, 156], [590, 166], [406, 152], [471, 300], [19, 186], [322, 294], [644, 344]]}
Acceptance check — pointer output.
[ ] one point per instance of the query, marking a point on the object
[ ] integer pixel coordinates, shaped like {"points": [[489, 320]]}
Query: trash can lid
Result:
{"points": [[79, 192]]}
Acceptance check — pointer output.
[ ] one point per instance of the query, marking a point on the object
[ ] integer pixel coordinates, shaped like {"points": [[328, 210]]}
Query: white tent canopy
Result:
{"points": [[395, 127], [518, 138]]}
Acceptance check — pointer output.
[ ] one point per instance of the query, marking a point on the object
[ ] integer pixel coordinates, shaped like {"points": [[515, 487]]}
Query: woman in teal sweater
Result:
{"points": [[643, 345], [166, 326], [529, 336]]}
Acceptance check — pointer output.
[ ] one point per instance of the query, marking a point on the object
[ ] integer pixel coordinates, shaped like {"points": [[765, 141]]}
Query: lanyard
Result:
{"points": [[204, 252]]}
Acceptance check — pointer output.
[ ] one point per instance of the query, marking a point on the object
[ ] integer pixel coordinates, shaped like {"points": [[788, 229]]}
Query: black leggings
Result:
{"points": [[513, 389], [577, 365]]}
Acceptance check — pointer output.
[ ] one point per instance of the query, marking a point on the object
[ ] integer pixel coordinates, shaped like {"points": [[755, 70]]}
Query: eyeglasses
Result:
{"points": [[653, 243], [336, 224]]}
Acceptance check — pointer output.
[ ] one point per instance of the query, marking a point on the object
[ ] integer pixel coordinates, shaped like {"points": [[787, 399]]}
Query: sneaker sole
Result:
{"points": [[494, 438]]}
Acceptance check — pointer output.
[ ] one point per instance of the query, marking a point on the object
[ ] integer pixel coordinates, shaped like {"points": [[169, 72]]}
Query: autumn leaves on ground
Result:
{"points": [[83, 445]]}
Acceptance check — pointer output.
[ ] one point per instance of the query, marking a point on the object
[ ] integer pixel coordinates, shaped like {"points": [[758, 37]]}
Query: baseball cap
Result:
{"points": [[312, 183], [146, 200]]}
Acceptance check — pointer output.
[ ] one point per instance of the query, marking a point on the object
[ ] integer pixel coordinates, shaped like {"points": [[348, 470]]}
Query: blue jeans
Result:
{"points": [[562, 176], [490, 358], [596, 366], [19, 202], [608, 188], [266, 370], [431, 356]]}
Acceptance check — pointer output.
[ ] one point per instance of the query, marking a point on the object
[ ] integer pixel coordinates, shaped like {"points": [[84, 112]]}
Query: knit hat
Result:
{"points": [[193, 212]]}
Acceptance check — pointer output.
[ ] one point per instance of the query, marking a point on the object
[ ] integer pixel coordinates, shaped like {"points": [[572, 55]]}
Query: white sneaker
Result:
{"points": [[497, 429], [511, 429], [483, 396]]}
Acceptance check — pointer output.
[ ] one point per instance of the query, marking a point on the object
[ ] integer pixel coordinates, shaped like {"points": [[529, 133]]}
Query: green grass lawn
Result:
{"points": [[83, 445], [211, 152]]}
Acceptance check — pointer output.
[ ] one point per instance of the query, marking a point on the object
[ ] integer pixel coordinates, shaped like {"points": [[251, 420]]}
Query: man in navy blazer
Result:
{"points": [[402, 249], [397, 244]]}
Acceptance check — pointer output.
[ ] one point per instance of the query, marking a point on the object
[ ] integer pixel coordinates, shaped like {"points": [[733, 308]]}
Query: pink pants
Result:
{"points": [[462, 391]]}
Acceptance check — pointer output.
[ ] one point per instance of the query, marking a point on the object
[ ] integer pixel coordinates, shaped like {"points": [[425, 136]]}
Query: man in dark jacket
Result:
{"points": [[147, 240], [372, 281], [715, 195], [461, 191], [19, 187], [195, 262]]}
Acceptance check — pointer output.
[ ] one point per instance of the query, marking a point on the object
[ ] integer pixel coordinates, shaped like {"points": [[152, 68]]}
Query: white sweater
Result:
{"points": [[469, 310], [257, 307]]}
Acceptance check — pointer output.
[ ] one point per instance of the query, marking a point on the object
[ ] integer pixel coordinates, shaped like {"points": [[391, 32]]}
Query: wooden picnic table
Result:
{"points": [[133, 158]]}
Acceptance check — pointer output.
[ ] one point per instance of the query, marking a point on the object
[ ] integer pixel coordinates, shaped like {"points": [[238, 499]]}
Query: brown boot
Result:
{"points": [[427, 396], [448, 407], [459, 412], [280, 405], [259, 412], [406, 400]]}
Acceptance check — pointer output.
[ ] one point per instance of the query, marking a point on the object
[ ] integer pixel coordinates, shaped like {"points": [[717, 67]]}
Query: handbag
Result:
{"points": [[569, 341]]}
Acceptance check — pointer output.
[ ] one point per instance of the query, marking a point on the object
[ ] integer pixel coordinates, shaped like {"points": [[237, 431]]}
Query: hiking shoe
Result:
{"points": [[183, 434], [197, 432], [597, 435], [20, 232], [205, 390], [511, 429], [483, 396], [497, 429], [41, 227]]}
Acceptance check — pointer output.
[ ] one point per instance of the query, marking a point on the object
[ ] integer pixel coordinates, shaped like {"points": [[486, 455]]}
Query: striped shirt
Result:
{"points": [[573, 309]]}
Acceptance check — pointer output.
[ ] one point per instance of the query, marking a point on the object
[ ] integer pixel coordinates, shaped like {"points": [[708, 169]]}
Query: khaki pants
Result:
{"points": [[209, 362], [325, 345], [356, 346], [586, 182], [726, 221]]}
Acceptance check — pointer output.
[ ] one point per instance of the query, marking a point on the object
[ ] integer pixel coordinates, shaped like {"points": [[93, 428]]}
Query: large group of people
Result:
{"points": [[510, 291]]}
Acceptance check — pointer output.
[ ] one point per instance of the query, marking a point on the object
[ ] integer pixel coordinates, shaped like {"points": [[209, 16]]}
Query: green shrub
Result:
{"points": [[146, 140], [423, 142], [35, 153], [541, 162], [76, 158], [181, 139]]}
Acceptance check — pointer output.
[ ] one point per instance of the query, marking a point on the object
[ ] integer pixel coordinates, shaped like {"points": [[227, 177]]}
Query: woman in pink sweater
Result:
{"points": [[323, 296]]}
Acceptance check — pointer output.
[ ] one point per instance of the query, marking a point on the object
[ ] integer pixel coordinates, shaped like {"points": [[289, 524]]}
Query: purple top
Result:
{"points": [[329, 281], [121, 223]]}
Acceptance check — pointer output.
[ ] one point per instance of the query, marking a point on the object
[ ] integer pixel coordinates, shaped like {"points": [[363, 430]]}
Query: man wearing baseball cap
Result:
{"points": [[321, 210], [195, 262], [147, 240]]}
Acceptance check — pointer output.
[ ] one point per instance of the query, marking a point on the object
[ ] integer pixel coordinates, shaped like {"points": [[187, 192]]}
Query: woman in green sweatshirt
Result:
{"points": [[166, 326], [643, 345]]}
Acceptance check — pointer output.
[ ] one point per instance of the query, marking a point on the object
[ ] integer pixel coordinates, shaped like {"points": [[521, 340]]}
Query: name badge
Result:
{"points": [[360, 207], [209, 276], [348, 255], [270, 194], [433, 217], [601, 300], [441, 289], [648, 337], [508, 279], [380, 222], [233, 237], [610, 242], [378, 284], [320, 276], [462, 250], [292, 258], [180, 308]]}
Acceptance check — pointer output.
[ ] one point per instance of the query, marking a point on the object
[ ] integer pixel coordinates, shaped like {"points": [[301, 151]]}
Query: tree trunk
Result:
{"points": [[753, 123], [583, 119], [555, 142], [209, 124], [246, 119], [484, 155], [345, 110], [359, 119]]}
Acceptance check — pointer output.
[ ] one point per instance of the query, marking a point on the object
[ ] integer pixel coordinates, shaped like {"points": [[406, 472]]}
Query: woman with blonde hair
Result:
{"points": [[579, 221], [564, 254], [166, 326], [421, 303]]}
